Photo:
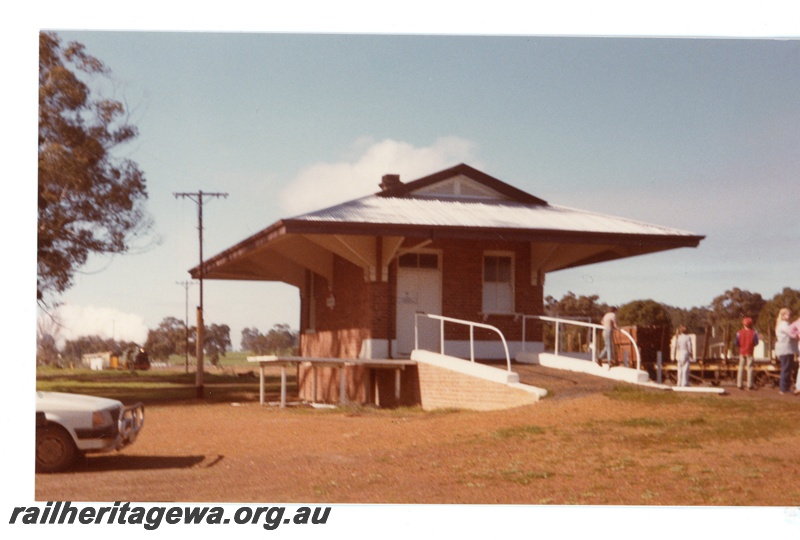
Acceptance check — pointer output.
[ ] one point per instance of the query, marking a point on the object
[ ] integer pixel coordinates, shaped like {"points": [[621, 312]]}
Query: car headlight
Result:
{"points": [[101, 419]]}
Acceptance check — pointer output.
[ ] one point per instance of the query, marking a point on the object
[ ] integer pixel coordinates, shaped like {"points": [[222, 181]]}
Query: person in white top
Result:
{"points": [[785, 347], [609, 323], [683, 354]]}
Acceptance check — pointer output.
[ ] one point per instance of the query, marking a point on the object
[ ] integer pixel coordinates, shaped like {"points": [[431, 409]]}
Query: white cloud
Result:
{"points": [[325, 184], [76, 321]]}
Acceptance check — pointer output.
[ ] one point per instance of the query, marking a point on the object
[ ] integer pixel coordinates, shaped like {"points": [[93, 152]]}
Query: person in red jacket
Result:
{"points": [[746, 340]]}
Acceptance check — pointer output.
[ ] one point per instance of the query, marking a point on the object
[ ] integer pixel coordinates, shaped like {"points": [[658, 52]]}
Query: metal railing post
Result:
{"points": [[441, 336], [524, 333], [472, 343], [659, 367], [556, 347], [594, 328], [471, 325], [416, 331]]}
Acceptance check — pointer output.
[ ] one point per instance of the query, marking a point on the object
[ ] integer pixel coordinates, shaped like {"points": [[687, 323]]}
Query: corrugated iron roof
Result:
{"points": [[460, 203], [425, 212]]}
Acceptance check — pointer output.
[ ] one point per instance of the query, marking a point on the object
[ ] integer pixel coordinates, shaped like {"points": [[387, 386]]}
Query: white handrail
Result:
{"points": [[558, 322], [472, 326]]}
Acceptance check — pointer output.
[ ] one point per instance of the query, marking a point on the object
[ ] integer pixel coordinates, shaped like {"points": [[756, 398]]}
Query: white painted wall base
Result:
{"points": [[375, 349]]}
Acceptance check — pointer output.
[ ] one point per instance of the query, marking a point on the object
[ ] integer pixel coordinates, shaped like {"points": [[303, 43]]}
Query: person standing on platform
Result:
{"points": [[795, 329], [609, 323], [785, 347], [746, 340], [684, 354]]}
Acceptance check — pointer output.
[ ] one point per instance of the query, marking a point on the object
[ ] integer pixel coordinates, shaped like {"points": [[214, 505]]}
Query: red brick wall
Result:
{"points": [[360, 312], [462, 288], [365, 310]]}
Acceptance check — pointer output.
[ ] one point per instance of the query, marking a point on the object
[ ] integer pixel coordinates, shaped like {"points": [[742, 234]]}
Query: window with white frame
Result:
{"points": [[498, 283]]}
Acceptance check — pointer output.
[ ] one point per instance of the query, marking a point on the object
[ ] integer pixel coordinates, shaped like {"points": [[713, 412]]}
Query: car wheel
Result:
{"points": [[55, 450]]}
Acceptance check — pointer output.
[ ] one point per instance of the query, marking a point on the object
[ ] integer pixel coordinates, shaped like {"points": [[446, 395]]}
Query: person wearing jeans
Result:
{"points": [[785, 347], [609, 323], [746, 340]]}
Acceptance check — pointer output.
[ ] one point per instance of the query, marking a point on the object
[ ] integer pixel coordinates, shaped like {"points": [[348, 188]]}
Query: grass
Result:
{"points": [[231, 359], [154, 386], [717, 416], [656, 448], [521, 432]]}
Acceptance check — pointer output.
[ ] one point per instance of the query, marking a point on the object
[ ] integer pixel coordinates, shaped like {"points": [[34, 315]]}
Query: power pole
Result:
{"points": [[186, 322], [198, 198]]}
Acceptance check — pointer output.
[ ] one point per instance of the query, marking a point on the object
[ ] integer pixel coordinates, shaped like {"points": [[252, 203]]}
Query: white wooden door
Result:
{"points": [[419, 290]]}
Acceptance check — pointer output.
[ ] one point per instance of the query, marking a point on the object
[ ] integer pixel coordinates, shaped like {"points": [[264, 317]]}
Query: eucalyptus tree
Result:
{"points": [[90, 200]]}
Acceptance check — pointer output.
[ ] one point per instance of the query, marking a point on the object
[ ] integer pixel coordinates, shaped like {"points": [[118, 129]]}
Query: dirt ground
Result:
{"points": [[582, 445]]}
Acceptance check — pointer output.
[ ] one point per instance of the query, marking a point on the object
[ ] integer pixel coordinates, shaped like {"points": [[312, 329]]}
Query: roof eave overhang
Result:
{"points": [[450, 232], [249, 244], [625, 244]]}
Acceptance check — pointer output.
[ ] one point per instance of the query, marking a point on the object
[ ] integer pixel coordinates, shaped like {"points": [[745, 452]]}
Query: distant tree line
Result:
{"points": [[280, 340], [169, 338], [172, 337], [723, 317]]}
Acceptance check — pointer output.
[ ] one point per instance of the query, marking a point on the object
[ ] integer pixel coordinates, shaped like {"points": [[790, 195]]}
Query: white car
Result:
{"points": [[69, 425]]}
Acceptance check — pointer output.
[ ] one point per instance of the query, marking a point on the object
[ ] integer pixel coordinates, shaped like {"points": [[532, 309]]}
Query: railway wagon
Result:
{"points": [[711, 367]]}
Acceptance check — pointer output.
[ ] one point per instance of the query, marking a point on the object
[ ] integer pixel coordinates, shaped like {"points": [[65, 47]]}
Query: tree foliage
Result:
{"points": [[787, 298], [89, 200], [279, 340], [570, 305], [170, 337], [644, 313], [729, 308], [735, 304], [217, 341], [696, 319], [166, 339], [47, 332]]}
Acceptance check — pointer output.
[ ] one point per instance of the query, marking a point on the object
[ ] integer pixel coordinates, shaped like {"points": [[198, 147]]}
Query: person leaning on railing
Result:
{"points": [[609, 323]]}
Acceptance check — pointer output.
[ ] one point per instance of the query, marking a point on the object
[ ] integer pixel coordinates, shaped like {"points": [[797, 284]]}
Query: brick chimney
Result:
{"points": [[390, 181]]}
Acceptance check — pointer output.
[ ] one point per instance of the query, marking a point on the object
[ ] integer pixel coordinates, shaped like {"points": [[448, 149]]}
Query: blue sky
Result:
{"points": [[695, 134]]}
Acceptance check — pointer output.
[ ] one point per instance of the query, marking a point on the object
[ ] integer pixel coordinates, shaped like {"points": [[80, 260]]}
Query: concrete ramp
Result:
{"points": [[620, 373], [449, 382]]}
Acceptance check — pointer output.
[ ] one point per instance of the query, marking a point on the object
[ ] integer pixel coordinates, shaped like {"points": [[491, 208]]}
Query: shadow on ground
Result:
{"points": [[122, 462]]}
